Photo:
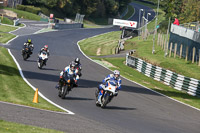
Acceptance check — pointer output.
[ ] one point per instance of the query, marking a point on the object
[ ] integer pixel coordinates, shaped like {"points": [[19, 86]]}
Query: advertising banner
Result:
{"points": [[125, 23]]}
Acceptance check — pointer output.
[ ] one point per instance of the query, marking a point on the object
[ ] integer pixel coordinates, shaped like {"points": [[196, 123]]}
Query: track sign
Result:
{"points": [[125, 23]]}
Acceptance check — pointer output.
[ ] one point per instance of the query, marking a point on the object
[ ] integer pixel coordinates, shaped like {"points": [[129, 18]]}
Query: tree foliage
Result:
{"points": [[94, 8], [185, 10]]}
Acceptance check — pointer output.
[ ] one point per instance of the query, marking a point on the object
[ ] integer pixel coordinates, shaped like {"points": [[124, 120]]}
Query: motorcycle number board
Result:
{"points": [[125, 23]]}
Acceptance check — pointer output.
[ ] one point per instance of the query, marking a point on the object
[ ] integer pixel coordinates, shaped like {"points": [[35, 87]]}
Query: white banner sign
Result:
{"points": [[125, 23]]}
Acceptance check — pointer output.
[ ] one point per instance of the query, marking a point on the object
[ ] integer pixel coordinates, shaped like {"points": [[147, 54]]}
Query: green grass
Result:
{"points": [[5, 37], [13, 88], [4, 28], [6, 21], [130, 12], [136, 76], [99, 21], [89, 24], [107, 42], [24, 14], [180, 66], [11, 127]]}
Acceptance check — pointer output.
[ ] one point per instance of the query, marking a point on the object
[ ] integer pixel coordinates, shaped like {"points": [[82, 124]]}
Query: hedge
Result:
{"points": [[31, 9]]}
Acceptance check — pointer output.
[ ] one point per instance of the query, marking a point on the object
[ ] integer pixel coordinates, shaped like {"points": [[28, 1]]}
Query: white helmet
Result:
{"points": [[116, 72]]}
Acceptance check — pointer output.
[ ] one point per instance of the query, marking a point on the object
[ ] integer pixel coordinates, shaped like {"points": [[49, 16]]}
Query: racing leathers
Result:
{"points": [[47, 51], [105, 84], [79, 68], [67, 70], [43, 49], [30, 47]]}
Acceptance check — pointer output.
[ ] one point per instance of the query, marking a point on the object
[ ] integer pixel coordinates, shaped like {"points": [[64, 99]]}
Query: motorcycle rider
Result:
{"points": [[68, 70], [28, 44], [116, 77], [78, 66], [45, 48]]}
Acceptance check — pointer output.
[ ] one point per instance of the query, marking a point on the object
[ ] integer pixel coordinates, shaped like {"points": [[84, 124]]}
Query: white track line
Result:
{"points": [[32, 107], [131, 80], [22, 75]]}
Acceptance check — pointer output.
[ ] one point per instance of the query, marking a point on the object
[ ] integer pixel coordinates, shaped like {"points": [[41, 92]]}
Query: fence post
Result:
{"points": [[181, 48], [170, 52], [175, 49], [193, 54], [158, 38], [199, 57], [186, 56]]}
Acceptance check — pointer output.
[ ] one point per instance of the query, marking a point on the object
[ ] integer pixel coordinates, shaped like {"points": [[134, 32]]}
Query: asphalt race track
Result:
{"points": [[135, 110]]}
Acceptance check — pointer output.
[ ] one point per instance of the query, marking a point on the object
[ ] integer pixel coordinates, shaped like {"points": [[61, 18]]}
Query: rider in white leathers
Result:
{"points": [[116, 77]]}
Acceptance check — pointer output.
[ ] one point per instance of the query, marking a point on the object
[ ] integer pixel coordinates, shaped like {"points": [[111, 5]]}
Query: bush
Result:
{"points": [[6, 21], [31, 9]]}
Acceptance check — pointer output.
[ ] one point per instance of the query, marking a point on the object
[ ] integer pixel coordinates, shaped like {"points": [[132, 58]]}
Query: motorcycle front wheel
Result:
{"points": [[105, 100]]}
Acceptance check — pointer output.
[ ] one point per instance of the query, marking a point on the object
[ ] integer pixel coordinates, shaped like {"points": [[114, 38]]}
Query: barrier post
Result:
{"points": [[186, 56], [199, 57], [193, 54], [181, 48], [175, 49], [170, 51]]}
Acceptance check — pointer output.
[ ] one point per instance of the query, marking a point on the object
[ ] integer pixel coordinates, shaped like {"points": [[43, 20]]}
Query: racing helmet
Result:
{"points": [[72, 65], [29, 41], [45, 47], [116, 74], [77, 61]]}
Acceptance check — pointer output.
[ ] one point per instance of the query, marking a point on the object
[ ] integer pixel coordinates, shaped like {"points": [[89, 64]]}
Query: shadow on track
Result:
{"points": [[89, 84], [30, 60], [118, 108], [77, 98]]}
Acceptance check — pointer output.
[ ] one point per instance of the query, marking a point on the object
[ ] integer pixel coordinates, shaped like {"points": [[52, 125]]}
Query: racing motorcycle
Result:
{"points": [[108, 94], [26, 52], [67, 84], [42, 59]]}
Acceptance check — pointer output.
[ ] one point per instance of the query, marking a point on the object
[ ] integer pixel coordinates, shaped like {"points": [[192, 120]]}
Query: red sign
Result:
{"points": [[51, 15]]}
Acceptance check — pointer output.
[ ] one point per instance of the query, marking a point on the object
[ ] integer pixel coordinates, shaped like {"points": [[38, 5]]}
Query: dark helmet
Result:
{"points": [[77, 61], [72, 65]]}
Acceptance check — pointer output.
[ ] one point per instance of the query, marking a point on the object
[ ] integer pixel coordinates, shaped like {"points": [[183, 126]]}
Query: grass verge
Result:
{"points": [[130, 12], [13, 89], [103, 44], [136, 76], [24, 14], [5, 37], [4, 28], [11, 127]]}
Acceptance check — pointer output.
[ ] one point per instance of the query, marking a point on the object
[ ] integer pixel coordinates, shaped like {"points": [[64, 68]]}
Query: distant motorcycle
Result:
{"points": [[66, 85], [109, 93], [42, 59], [26, 52]]}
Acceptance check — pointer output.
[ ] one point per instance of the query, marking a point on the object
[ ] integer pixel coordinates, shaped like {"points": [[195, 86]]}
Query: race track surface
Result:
{"points": [[135, 110]]}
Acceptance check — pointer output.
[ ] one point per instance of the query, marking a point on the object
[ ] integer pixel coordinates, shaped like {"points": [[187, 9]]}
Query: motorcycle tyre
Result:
{"points": [[64, 93], [105, 101]]}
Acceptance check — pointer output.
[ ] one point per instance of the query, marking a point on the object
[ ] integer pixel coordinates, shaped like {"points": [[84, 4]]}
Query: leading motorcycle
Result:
{"points": [[108, 91]]}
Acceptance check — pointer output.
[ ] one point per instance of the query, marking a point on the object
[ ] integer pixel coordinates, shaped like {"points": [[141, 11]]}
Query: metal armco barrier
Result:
{"points": [[178, 82]]}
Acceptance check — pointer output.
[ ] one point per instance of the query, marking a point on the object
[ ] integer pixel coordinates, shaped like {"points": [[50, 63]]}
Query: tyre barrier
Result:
{"points": [[177, 81]]}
